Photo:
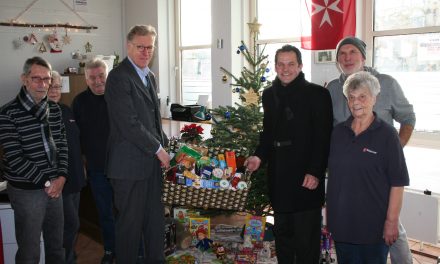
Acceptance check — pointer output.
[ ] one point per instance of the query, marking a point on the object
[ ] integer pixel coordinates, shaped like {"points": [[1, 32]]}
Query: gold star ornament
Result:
{"points": [[66, 39], [254, 26], [250, 97]]}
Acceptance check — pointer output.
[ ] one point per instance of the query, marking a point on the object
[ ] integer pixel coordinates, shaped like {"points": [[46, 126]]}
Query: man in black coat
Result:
{"points": [[295, 141]]}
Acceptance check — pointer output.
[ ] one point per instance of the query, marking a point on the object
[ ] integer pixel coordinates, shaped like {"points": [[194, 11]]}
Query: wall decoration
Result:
{"points": [[88, 47], [14, 22], [31, 39], [54, 43], [42, 48], [66, 39], [18, 43], [325, 56]]}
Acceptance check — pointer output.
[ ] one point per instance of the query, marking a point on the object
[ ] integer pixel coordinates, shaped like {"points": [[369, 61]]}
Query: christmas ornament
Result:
{"points": [[88, 47], [242, 47], [227, 115], [54, 43], [66, 39], [224, 78], [250, 97], [42, 48], [18, 43], [263, 79], [267, 70], [31, 39], [254, 26], [237, 89], [238, 51]]}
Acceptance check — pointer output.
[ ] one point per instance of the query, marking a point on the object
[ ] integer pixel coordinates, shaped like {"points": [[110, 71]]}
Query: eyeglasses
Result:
{"points": [[142, 48], [36, 79], [56, 87]]}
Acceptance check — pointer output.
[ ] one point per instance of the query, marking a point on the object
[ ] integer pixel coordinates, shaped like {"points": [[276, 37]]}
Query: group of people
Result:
{"points": [[345, 131], [112, 135]]}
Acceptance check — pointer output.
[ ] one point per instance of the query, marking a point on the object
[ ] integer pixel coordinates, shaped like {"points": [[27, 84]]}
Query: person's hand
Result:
{"points": [[56, 187], [164, 158], [252, 163], [310, 182], [390, 231]]}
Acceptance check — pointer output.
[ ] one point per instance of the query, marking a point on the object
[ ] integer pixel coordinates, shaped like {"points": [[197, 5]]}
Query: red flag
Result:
{"points": [[325, 22]]}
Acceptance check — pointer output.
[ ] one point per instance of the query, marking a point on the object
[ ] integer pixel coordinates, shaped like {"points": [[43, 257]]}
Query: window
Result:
{"points": [[406, 45], [194, 44], [275, 17]]}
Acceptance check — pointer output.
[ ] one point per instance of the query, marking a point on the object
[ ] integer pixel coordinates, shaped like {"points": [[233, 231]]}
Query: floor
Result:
{"points": [[90, 252]]}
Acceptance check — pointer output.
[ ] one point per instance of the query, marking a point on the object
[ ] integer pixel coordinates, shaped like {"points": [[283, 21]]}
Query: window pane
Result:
{"points": [[414, 60], [271, 49], [279, 18], [402, 14], [195, 29], [196, 74]]}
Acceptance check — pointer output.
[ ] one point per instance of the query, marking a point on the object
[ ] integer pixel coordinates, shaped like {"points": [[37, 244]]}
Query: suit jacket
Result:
{"points": [[301, 114], [135, 124]]}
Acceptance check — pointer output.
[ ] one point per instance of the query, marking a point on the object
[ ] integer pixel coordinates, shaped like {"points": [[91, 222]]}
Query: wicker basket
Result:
{"points": [[188, 196], [195, 197]]}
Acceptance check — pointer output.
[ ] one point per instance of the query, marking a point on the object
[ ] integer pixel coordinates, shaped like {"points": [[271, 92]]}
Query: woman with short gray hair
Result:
{"points": [[367, 175]]}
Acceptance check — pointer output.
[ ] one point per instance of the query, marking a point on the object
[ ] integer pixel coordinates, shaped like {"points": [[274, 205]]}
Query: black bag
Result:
{"points": [[184, 112]]}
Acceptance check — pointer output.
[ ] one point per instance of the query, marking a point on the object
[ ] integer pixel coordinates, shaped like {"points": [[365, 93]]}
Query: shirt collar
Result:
{"points": [[377, 122], [142, 72]]}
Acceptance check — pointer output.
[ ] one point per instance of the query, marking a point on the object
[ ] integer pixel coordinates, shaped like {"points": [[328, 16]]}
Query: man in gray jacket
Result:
{"points": [[391, 105]]}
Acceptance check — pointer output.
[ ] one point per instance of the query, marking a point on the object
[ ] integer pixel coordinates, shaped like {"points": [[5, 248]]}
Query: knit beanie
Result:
{"points": [[359, 44]]}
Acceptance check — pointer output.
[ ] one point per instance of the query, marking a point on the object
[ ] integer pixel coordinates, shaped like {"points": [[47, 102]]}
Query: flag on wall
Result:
{"points": [[325, 22]]}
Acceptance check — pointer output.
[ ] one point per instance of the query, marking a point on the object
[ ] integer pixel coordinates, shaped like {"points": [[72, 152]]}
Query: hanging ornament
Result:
{"points": [[237, 89], [263, 79], [267, 70], [42, 48], [54, 43], [224, 78], [228, 115], [18, 43], [66, 39], [238, 51], [88, 47], [250, 97], [31, 39], [242, 47], [254, 27]]}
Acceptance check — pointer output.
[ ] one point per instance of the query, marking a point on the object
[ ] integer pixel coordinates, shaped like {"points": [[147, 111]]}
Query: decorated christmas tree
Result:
{"points": [[239, 126]]}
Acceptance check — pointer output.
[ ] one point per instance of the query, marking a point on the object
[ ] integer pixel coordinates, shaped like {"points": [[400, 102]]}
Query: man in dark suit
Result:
{"points": [[135, 150], [295, 143]]}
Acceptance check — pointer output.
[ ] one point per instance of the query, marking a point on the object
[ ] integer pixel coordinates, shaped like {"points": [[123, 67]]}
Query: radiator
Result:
{"points": [[420, 216]]}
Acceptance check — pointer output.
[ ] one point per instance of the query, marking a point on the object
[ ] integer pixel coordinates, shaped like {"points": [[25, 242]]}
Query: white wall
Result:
{"points": [[107, 39]]}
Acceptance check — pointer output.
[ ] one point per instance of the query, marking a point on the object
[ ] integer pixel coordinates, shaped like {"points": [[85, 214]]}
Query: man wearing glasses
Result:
{"points": [[33, 138], [135, 150]]}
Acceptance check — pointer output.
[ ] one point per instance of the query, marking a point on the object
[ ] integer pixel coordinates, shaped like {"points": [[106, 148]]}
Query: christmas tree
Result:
{"points": [[239, 126]]}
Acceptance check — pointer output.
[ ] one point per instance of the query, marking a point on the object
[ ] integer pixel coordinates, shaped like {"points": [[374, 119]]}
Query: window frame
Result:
{"points": [[420, 139], [180, 49]]}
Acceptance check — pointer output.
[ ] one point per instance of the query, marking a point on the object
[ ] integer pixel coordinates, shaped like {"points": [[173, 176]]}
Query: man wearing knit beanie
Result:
{"points": [[391, 105]]}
